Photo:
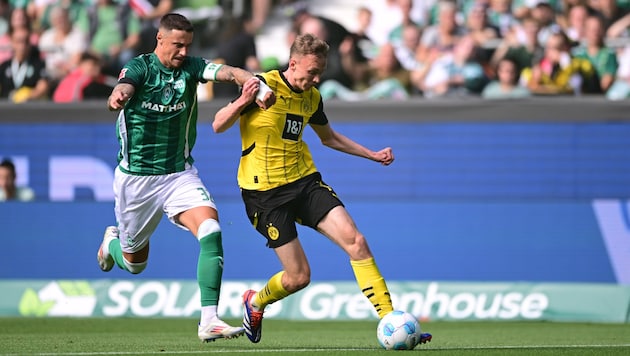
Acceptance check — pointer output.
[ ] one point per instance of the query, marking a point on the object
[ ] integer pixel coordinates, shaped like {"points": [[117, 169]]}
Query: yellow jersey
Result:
{"points": [[273, 153]]}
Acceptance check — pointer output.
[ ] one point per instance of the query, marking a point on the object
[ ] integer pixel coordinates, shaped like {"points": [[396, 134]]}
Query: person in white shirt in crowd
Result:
{"points": [[61, 45]]}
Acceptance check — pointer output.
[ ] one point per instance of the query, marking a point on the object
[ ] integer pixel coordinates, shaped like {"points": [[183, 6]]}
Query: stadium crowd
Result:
{"points": [[72, 50]]}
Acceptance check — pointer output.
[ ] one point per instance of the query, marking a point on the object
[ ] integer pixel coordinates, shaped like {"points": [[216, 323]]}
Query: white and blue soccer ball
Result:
{"points": [[398, 330]]}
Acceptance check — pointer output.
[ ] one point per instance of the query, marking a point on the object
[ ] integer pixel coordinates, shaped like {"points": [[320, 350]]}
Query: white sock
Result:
{"points": [[208, 314]]}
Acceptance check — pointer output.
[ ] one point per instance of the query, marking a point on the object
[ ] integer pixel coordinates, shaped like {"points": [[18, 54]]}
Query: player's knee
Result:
{"points": [[134, 268], [297, 281], [358, 249], [207, 227]]}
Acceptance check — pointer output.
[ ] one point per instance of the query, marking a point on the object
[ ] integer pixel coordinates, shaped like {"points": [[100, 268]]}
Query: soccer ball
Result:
{"points": [[398, 330]]}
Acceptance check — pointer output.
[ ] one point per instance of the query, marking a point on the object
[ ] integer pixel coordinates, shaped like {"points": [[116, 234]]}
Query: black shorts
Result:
{"points": [[274, 212]]}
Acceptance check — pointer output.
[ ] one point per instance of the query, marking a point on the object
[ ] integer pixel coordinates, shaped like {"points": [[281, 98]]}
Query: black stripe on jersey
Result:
{"points": [[248, 150], [319, 117]]}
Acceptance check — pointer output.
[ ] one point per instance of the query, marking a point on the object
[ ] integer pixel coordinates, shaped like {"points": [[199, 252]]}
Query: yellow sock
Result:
{"points": [[373, 285], [272, 292]]}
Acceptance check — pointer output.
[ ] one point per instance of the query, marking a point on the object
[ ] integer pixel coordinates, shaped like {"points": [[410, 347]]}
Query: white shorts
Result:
{"points": [[140, 202]]}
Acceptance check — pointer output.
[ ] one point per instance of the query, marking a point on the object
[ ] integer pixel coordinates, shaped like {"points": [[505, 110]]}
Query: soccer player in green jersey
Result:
{"points": [[280, 184], [157, 98]]}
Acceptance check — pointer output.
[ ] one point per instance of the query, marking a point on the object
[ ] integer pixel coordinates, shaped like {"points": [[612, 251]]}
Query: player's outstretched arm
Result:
{"points": [[120, 95], [239, 76], [227, 115], [339, 142]]}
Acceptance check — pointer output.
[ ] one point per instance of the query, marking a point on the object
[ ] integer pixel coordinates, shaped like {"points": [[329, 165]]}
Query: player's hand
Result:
{"points": [[268, 100], [385, 156], [265, 98], [117, 100], [249, 90]]}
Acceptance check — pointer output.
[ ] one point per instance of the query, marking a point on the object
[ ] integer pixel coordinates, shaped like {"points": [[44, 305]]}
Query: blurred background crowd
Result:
{"points": [[72, 50]]}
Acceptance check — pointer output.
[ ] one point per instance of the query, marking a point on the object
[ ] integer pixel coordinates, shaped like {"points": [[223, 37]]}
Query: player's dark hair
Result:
{"points": [[309, 44], [6, 163], [174, 21]]}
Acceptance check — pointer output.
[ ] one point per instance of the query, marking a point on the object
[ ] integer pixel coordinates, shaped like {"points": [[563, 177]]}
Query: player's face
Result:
{"points": [[306, 71], [172, 47]]}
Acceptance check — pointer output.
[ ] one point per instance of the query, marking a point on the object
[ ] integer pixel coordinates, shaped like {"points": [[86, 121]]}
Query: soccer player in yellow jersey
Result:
{"points": [[280, 184]]}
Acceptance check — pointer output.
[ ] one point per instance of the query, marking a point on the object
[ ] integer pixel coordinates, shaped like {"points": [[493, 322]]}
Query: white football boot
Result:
{"points": [[105, 260], [218, 329]]}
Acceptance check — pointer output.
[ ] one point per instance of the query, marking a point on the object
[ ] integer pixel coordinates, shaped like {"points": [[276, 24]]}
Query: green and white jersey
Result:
{"points": [[157, 128]]}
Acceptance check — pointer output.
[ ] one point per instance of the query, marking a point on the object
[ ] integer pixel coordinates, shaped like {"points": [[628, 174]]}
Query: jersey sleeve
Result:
{"points": [[133, 72], [319, 117]]}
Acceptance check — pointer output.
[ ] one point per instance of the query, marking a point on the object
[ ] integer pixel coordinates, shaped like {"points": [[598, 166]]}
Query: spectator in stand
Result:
{"points": [[84, 82], [386, 16], [545, 14], [520, 45], [406, 50], [452, 74], [603, 59], [5, 11], [5, 43], [396, 35], [442, 36], [506, 85], [619, 28], [609, 11], [237, 48], [576, 18], [368, 48], [61, 45], [23, 78], [149, 13], [18, 18], [40, 11], [500, 15], [479, 27], [346, 64], [620, 89], [387, 80], [9, 190], [113, 33], [485, 35], [335, 32], [525, 8], [558, 72]]}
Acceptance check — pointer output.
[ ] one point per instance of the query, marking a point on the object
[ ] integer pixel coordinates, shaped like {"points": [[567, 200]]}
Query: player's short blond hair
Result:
{"points": [[306, 44]]}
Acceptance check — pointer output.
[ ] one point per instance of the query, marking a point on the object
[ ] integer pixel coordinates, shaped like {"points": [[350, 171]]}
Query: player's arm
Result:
{"points": [[121, 93], [339, 142], [229, 114], [225, 73]]}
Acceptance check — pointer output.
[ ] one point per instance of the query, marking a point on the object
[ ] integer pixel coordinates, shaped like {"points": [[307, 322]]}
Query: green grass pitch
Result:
{"points": [[165, 336]]}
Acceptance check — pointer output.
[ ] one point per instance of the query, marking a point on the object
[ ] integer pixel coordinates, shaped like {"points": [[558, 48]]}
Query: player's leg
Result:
{"points": [[339, 227], [190, 206], [295, 275], [138, 212], [275, 220]]}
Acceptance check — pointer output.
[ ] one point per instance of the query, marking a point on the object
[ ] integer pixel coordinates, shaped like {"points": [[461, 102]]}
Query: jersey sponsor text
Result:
{"points": [[163, 108]]}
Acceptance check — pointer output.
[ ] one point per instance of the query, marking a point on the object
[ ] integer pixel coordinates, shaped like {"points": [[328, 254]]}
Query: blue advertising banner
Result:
{"points": [[466, 241], [489, 161], [541, 202]]}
